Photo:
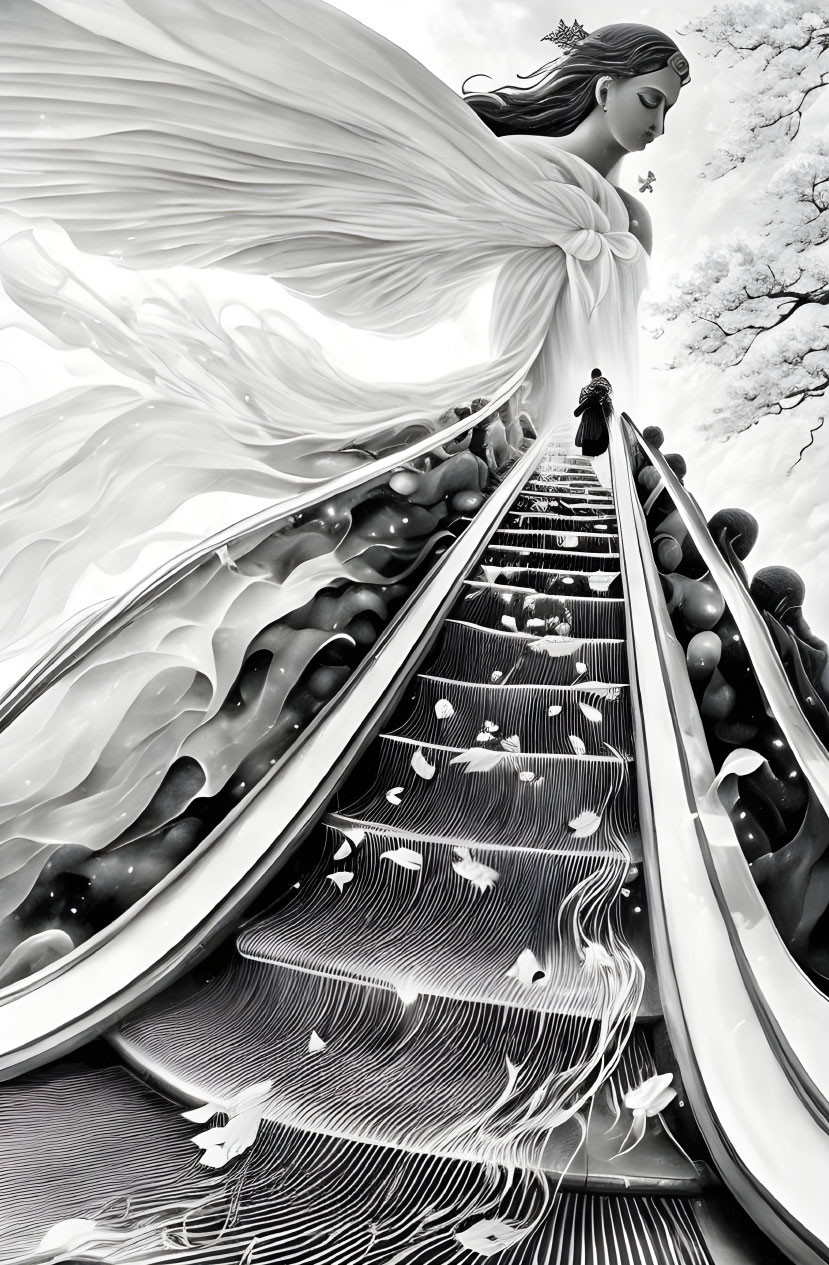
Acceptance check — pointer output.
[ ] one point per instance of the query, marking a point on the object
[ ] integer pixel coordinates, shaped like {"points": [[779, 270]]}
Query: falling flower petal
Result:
{"points": [[527, 775], [478, 760], [68, 1236], [737, 764], [600, 581], [444, 709], [344, 850], [527, 970], [421, 766], [509, 622], [475, 872], [406, 858], [652, 1096], [496, 676], [393, 796], [355, 833], [491, 727], [555, 710], [555, 647], [316, 1045], [592, 713], [488, 1238], [577, 744], [586, 824], [340, 878], [244, 1112], [581, 668], [567, 540]]}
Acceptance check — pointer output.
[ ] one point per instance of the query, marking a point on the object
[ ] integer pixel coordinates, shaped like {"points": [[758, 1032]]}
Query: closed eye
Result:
{"points": [[651, 100]]}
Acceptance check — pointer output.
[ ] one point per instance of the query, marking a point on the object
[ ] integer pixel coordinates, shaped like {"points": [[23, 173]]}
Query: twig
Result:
{"points": [[812, 434]]}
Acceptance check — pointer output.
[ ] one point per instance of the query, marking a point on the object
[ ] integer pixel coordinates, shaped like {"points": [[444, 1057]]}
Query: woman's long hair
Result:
{"points": [[560, 95]]}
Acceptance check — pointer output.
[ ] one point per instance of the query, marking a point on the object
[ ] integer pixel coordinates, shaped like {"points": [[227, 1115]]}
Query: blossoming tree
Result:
{"points": [[756, 304]]}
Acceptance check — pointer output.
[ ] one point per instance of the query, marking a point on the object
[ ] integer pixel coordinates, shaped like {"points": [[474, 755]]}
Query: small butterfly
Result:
{"points": [[646, 183]]}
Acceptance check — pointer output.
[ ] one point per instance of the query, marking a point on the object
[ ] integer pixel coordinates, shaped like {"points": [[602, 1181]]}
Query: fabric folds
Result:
{"points": [[203, 204]]}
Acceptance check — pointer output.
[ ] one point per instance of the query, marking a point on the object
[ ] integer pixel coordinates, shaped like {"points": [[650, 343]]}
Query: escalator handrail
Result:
{"points": [[769, 1148], [157, 939], [88, 628], [792, 1008], [808, 750]]}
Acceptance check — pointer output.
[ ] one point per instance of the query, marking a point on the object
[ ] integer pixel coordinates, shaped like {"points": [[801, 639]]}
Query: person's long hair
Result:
{"points": [[558, 96]]}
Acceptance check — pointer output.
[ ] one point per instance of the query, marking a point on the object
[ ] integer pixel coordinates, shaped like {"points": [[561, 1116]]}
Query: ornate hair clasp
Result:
{"points": [[677, 62], [566, 37]]}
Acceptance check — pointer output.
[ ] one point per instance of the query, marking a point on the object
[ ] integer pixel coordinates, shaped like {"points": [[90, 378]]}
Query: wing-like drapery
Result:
{"points": [[185, 184]]}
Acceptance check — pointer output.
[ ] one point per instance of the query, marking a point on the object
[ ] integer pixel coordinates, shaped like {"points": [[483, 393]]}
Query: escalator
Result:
{"points": [[439, 1036]]}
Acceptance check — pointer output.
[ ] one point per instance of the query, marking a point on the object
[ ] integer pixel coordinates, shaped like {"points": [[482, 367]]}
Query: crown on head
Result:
{"points": [[566, 37]]}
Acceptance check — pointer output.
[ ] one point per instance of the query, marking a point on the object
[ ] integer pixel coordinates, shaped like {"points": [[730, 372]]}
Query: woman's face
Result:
{"points": [[636, 108]]}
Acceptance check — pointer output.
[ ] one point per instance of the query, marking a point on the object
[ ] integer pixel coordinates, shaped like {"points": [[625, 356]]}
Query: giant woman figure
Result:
{"points": [[150, 147]]}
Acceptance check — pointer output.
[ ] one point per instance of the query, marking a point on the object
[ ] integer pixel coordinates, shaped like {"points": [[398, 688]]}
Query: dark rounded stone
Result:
{"points": [[676, 462], [741, 529], [777, 589]]}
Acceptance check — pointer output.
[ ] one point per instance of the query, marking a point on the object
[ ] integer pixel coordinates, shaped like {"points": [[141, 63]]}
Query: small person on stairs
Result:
{"points": [[596, 410]]}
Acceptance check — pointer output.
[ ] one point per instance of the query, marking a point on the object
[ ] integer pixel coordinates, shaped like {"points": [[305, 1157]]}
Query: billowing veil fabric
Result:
{"points": [[282, 140], [271, 137]]}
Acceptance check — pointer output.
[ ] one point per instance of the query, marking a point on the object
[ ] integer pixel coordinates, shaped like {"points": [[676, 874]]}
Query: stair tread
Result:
{"points": [[542, 614], [474, 654], [521, 709], [427, 1074], [341, 818], [496, 803], [137, 1160], [436, 929]]}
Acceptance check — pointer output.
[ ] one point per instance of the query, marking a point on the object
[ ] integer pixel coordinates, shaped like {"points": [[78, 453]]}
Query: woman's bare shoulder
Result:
{"points": [[639, 217]]}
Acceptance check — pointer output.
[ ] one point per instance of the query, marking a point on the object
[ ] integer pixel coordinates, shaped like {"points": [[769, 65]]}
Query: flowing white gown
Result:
{"points": [[156, 154]]}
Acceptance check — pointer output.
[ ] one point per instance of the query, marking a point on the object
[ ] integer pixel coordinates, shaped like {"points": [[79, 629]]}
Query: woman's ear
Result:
{"points": [[602, 86]]}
